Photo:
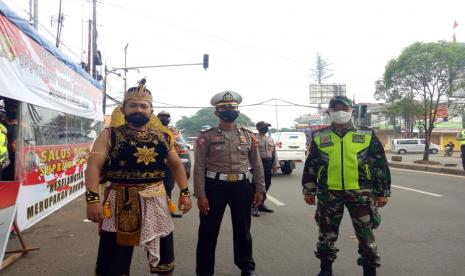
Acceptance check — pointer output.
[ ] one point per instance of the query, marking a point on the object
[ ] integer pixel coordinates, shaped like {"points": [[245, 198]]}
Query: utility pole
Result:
{"points": [[34, 13], [276, 112], [94, 38], [125, 66], [59, 25], [89, 49]]}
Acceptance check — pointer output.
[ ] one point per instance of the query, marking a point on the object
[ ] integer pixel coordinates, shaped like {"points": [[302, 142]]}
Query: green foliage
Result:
{"points": [[192, 125], [422, 77]]}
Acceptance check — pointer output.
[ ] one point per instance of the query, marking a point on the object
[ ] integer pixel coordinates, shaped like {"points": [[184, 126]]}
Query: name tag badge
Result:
{"points": [[357, 138]]}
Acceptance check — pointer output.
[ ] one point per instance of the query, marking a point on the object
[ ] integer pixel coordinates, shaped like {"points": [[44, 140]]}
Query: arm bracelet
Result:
{"points": [[92, 197], [185, 192]]}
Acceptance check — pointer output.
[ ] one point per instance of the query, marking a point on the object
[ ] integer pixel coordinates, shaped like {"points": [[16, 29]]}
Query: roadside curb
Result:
{"points": [[426, 168]]}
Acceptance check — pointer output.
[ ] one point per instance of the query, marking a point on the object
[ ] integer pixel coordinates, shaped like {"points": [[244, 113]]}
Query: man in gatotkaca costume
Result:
{"points": [[132, 155]]}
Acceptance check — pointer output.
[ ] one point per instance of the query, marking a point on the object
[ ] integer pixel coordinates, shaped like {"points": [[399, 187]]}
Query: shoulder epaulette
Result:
{"points": [[322, 130], [207, 130], [246, 129], [364, 130]]}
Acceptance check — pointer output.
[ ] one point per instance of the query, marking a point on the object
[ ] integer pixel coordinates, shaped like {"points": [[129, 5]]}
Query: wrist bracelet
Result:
{"points": [[92, 197], [185, 192]]}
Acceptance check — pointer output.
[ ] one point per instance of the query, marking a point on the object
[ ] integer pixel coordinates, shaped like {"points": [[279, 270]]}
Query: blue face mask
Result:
{"points": [[228, 116]]}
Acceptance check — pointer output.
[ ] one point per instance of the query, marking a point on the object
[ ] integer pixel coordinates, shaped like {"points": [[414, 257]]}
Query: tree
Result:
{"points": [[425, 74], [408, 109], [192, 125], [303, 119]]}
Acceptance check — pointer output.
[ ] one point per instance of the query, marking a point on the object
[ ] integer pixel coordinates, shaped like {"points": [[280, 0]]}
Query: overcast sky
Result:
{"points": [[261, 49]]}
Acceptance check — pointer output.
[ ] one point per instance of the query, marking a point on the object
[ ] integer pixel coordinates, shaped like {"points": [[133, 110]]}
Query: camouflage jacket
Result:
{"points": [[380, 181]]}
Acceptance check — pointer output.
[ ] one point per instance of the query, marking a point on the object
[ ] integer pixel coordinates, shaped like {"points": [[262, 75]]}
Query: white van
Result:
{"points": [[290, 147], [403, 146]]}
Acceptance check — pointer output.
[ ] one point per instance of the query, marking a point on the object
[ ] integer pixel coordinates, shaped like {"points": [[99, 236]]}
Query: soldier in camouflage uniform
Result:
{"points": [[346, 166]]}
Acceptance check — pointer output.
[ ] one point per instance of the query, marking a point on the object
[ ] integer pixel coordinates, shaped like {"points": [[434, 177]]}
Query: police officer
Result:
{"points": [[267, 151], [4, 161], [461, 138], [223, 156], [168, 182], [346, 166]]}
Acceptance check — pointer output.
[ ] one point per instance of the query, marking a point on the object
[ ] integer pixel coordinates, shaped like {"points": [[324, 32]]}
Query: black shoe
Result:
{"points": [[369, 271], [174, 215], [326, 268], [255, 212], [265, 209], [246, 272]]}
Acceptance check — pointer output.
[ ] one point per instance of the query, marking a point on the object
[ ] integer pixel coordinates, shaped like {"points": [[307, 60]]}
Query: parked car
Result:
{"points": [[190, 141], [402, 146], [290, 148], [183, 151]]}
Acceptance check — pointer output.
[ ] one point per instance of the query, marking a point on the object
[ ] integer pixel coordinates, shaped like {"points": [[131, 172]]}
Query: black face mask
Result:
{"points": [[228, 115], [263, 130], [136, 119], [165, 122]]}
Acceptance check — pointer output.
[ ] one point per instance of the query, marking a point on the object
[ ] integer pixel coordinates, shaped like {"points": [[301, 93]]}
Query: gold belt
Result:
{"points": [[146, 190]]}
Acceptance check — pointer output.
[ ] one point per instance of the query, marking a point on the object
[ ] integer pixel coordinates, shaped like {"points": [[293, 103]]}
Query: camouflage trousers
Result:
{"points": [[365, 218]]}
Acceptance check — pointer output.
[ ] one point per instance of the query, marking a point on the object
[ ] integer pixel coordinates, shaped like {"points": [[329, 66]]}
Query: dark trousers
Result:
{"points": [[115, 260], [238, 195], [462, 148], [168, 181], [267, 166]]}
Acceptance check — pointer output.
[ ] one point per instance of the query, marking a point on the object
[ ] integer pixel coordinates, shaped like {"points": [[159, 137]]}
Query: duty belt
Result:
{"points": [[230, 177]]}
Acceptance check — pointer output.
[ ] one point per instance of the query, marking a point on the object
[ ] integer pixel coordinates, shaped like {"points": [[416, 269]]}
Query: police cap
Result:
{"points": [[226, 98], [340, 99], [262, 124]]}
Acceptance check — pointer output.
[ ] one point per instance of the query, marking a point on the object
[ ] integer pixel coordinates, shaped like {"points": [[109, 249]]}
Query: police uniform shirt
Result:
{"points": [[267, 148], [220, 153]]}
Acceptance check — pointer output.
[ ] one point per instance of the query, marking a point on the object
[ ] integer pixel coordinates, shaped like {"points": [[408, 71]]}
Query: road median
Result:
{"points": [[427, 168]]}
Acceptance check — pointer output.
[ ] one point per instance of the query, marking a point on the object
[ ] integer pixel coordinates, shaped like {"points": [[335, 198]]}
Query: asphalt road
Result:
{"points": [[422, 233]]}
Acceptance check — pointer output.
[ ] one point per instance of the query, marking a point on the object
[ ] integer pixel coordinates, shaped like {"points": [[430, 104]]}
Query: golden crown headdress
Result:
{"points": [[139, 93]]}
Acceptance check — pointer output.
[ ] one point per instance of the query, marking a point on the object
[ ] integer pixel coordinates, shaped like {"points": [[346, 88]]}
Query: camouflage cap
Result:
{"points": [[226, 98], [262, 124], [340, 99]]}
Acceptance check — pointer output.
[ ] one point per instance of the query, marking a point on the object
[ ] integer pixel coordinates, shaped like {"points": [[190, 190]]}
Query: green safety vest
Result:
{"points": [[3, 144], [341, 158], [462, 135]]}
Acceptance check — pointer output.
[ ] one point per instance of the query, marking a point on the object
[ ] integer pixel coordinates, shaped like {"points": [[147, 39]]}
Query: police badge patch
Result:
{"points": [[325, 141], [357, 138]]}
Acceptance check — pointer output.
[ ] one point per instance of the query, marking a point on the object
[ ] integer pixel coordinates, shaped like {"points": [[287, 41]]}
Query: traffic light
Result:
{"points": [[205, 61]]}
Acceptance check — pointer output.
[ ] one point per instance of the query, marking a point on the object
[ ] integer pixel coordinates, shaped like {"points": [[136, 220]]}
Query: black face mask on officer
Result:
{"points": [[228, 115], [263, 130], [165, 121], [136, 119]]}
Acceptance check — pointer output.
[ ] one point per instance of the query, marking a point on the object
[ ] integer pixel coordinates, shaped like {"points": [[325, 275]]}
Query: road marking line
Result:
{"points": [[444, 174], [418, 191], [274, 200]]}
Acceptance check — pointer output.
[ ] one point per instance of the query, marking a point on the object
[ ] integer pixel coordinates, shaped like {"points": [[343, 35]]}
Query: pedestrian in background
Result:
{"points": [[168, 181], [461, 138], [4, 161], [223, 156], [347, 167], [267, 151]]}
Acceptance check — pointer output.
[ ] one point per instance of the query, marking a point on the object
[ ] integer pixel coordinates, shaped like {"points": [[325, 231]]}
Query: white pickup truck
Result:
{"points": [[290, 147]]}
